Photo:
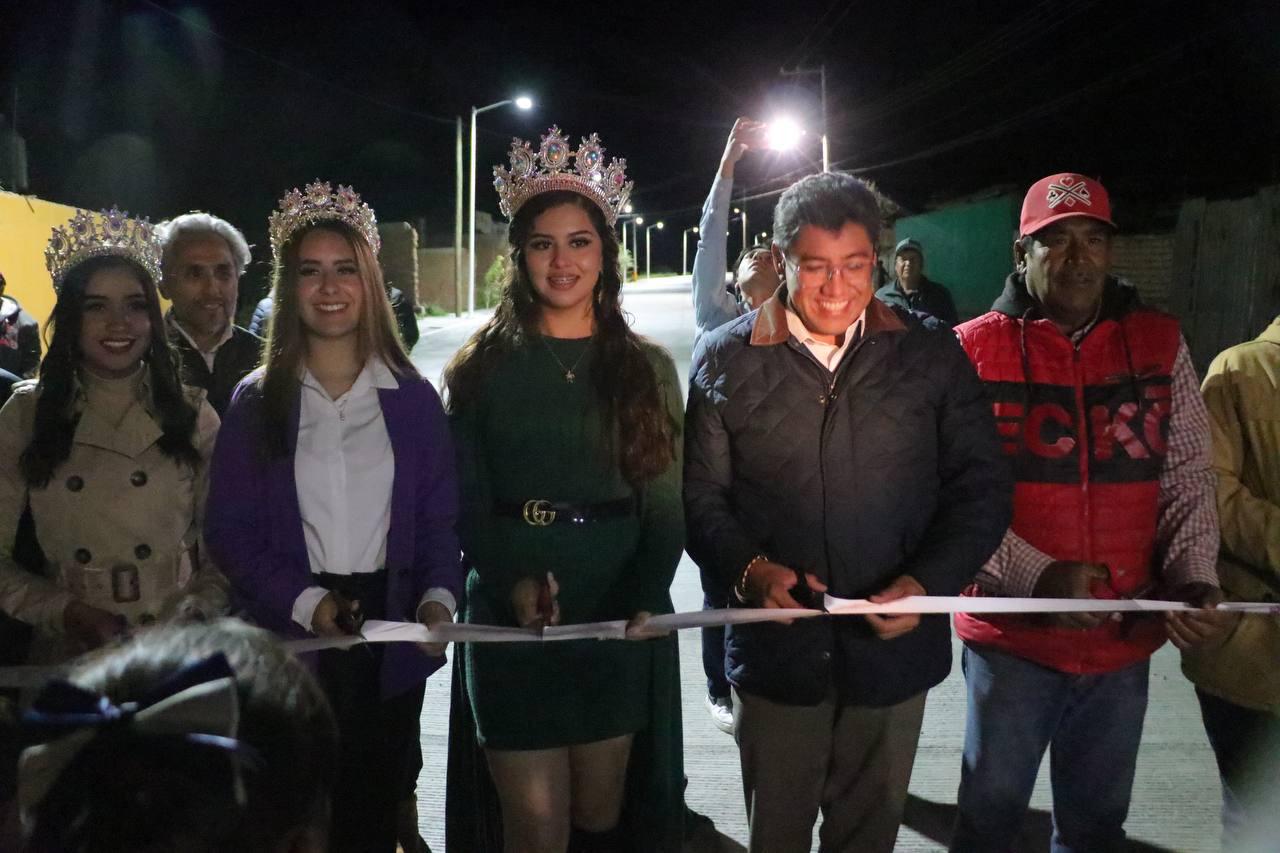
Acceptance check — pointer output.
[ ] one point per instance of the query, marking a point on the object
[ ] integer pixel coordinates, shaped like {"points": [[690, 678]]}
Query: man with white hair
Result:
{"points": [[204, 257]]}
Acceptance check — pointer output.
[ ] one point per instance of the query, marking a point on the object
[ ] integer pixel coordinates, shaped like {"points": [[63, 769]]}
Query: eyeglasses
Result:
{"points": [[816, 273]]}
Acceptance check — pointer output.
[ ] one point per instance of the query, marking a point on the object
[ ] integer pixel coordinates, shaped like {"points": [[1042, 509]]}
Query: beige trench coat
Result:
{"points": [[119, 521]]}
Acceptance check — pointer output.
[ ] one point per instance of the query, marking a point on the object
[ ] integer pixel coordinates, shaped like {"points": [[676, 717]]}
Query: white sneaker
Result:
{"points": [[721, 711]]}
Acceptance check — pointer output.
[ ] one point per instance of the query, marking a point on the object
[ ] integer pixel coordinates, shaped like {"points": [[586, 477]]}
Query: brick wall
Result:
{"points": [[399, 257], [436, 271], [1146, 261]]}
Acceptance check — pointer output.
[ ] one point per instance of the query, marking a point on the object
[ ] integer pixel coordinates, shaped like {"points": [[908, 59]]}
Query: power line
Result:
{"points": [[799, 53], [994, 130], [1037, 21]]}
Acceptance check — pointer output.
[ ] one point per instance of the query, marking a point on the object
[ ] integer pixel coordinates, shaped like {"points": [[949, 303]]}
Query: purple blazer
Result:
{"points": [[253, 524]]}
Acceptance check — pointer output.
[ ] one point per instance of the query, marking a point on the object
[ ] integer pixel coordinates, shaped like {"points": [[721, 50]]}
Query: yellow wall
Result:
{"points": [[25, 224]]}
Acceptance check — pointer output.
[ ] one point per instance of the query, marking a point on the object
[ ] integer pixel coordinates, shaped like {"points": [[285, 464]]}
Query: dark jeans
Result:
{"points": [[1246, 744], [713, 651], [378, 736], [1017, 710]]}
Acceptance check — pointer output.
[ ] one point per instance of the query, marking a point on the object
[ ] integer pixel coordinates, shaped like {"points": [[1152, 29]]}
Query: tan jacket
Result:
{"points": [[1242, 391], [119, 521]]}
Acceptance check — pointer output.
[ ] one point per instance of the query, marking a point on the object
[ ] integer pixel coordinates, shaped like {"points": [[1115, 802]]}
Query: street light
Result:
{"points": [[783, 134], [821, 71], [522, 102], [648, 246], [742, 212], [684, 249]]}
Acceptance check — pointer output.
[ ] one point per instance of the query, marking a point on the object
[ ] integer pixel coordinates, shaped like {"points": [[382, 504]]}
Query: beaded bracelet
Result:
{"points": [[740, 588]]}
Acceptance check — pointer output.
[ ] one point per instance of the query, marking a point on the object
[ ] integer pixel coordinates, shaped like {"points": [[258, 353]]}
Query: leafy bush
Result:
{"points": [[494, 277]]}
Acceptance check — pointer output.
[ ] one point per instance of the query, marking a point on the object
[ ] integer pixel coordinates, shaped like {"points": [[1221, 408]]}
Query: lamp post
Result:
{"points": [[684, 249], [821, 71], [458, 196], [628, 215], [648, 246], [523, 103], [742, 211], [635, 245]]}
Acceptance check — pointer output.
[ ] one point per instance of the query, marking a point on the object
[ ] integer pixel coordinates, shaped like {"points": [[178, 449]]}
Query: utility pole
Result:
{"points": [[821, 71], [457, 221]]}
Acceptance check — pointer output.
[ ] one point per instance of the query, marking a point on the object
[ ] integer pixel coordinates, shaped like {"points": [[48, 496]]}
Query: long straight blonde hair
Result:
{"points": [[376, 334]]}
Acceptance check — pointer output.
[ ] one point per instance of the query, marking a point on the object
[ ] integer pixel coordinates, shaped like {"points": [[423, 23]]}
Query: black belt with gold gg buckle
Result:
{"points": [[544, 513]]}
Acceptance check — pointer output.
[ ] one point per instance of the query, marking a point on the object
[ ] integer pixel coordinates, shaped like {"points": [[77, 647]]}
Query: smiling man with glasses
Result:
{"points": [[835, 443]]}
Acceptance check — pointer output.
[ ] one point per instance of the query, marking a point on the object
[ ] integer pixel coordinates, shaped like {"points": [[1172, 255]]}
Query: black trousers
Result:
{"points": [[379, 737], [1246, 744]]}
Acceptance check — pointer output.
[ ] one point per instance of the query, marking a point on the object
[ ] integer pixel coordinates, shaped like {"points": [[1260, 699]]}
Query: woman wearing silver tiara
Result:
{"points": [[332, 497], [108, 451], [568, 426]]}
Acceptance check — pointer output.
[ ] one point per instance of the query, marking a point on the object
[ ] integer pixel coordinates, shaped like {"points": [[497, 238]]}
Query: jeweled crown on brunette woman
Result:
{"points": [[622, 377], [568, 427], [107, 450]]}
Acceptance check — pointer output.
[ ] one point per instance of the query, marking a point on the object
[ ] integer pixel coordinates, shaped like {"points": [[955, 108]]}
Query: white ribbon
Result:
{"points": [[375, 631], [407, 632]]}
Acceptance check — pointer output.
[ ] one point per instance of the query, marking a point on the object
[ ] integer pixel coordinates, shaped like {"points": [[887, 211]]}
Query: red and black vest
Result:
{"points": [[1086, 430]]}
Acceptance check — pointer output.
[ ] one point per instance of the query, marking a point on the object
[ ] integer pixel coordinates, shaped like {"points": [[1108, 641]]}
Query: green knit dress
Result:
{"points": [[534, 435]]}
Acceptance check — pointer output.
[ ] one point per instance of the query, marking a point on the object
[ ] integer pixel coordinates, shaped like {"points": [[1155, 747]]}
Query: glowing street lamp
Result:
{"points": [[684, 249], [783, 134], [648, 246], [821, 72], [523, 102]]}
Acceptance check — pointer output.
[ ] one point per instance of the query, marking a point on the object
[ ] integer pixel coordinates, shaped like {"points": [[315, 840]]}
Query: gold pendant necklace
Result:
{"points": [[569, 374]]}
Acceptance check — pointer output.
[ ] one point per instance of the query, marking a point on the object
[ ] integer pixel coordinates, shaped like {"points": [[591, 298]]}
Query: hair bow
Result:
{"points": [[199, 705]]}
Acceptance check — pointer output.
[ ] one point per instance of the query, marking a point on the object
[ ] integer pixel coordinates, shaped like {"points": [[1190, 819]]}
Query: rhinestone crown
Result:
{"points": [[111, 232], [532, 174], [319, 203]]}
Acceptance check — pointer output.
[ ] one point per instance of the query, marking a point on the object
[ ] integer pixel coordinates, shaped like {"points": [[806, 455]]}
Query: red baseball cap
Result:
{"points": [[1062, 195]]}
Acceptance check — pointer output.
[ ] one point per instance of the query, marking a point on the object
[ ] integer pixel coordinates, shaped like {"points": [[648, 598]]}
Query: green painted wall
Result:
{"points": [[967, 247]]}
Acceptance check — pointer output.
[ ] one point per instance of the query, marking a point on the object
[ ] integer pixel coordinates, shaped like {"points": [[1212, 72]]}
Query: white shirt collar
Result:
{"points": [[828, 354], [375, 375]]}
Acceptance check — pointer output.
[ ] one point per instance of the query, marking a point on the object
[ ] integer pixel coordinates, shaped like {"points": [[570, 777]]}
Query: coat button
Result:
{"points": [[826, 656], [75, 483], [83, 556], [142, 552], [138, 478]]}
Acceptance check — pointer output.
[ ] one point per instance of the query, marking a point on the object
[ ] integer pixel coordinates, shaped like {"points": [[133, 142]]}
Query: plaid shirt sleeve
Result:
{"points": [[1014, 568], [1187, 527], [1187, 524]]}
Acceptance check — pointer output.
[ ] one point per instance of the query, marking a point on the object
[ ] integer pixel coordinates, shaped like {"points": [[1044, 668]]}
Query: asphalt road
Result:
{"points": [[1176, 794]]}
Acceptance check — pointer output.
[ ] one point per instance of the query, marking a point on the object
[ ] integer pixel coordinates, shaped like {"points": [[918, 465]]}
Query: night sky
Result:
{"points": [[166, 106]]}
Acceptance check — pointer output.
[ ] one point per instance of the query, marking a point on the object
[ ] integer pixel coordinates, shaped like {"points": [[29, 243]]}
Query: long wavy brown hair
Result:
{"points": [[287, 338], [621, 375]]}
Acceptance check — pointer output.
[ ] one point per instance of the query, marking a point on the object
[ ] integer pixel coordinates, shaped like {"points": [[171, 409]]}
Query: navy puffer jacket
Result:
{"points": [[889, 466]]}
